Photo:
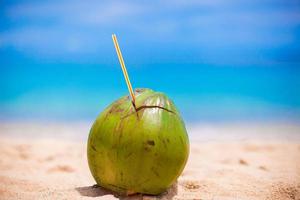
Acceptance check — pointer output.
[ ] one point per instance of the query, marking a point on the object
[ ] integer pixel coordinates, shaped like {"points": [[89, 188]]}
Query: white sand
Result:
{"points": [[241, 165]]}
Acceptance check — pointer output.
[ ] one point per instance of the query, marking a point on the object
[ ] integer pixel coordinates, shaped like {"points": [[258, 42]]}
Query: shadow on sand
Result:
{"points": [[97, 191]]}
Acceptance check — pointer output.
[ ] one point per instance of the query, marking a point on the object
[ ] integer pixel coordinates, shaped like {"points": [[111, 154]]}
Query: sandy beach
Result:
{"points": [[48, 161]]}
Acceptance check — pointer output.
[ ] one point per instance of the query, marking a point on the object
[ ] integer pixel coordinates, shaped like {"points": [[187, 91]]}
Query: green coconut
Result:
{"points": [[141, 149]]}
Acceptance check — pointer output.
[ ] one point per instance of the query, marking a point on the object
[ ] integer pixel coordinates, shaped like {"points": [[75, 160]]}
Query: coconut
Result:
{"points": [[139, 148]]}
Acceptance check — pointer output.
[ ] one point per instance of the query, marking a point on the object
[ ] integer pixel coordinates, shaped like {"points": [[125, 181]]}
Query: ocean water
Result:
{"points": [[202, 94]]}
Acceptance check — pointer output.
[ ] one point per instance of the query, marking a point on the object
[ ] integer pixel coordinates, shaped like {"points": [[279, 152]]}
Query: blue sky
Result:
{"points": [[218, 60]]}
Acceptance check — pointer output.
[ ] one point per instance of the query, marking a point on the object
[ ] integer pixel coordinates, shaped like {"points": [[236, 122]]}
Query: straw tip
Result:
{"points": [[113, 35]]}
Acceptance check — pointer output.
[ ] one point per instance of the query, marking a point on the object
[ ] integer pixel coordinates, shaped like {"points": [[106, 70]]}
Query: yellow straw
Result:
{"points": [[114, 37]]}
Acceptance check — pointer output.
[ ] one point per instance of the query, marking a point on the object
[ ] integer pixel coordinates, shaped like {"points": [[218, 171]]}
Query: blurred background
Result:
{"points": [[219, 60]]}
